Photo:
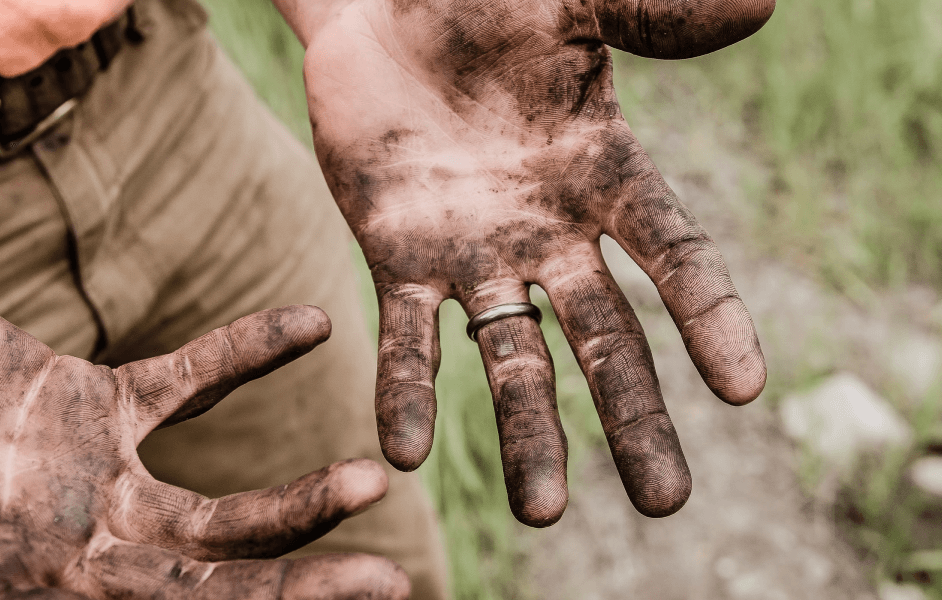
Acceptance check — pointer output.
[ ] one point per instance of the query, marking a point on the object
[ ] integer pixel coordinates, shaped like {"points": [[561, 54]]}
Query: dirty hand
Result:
{"points": [[476, 147], [81, 518]]}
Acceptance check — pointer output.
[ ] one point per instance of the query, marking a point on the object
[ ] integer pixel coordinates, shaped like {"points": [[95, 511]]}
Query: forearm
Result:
{"points": [[306, 17], [33, 30]]}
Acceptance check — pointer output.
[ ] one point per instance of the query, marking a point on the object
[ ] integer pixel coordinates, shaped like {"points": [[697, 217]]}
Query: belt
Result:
{"points": [[31, 103]]}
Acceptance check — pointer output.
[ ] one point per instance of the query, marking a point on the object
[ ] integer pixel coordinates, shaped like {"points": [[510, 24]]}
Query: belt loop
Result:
{"points": [[8, 151], [133, 32]]}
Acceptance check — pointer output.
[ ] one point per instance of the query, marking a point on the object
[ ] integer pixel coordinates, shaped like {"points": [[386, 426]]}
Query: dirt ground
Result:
{"points": [[749, 531]]}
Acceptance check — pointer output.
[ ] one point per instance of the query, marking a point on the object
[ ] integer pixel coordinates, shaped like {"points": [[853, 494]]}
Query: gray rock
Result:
{"points": [[914, 361], [842, 418], [926, 473]]}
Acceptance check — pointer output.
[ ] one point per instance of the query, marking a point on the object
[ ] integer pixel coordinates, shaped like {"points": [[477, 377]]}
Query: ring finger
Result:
{"points": [[523, 386]]}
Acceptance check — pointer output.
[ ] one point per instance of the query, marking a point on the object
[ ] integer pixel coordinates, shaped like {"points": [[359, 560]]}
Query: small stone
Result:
{"points": [[926, 473], [893, 591], [914, 361], [842, 418]]}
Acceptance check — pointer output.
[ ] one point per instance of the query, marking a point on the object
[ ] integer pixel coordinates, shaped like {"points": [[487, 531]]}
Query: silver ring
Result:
{"points": [[496, 313]]}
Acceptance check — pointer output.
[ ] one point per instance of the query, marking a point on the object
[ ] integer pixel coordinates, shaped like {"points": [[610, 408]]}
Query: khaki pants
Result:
{"points": [[171, 203]]}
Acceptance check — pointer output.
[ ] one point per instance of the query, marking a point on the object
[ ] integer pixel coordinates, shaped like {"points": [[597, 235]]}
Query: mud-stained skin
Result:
{"points": [[476, 147], [80, 517]]}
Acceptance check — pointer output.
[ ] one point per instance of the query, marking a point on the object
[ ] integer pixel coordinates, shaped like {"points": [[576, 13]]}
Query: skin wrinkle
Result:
{"points": [[708, 309], [672, 261], [92, 523], [405, 64], [123, 490], [127, 404], [619, 429], [30, 397], [610, 347], [207, 573], [201, 517]]}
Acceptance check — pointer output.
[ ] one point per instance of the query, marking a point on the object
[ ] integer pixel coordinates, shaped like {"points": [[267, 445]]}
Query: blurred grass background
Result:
{"points": [[843, 103]]}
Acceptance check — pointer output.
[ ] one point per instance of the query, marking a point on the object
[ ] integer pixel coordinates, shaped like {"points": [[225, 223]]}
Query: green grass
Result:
{"points": [[845, 99]]}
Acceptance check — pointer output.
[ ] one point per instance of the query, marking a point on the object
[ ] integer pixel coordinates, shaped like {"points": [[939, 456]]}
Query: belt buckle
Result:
{"points": [[10, 149]]}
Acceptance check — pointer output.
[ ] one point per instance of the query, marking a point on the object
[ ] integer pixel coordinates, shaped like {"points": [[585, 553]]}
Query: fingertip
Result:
{"points": [[384, 577], [665, 497], [287, 331], [736, 380], [321, 317], [652, 466], [403, 457], [750, 382], [363, 483], [764, 11], [725, 349], [535, 476], [398, 583], [544, 505], [405, 419], [311, 320]]}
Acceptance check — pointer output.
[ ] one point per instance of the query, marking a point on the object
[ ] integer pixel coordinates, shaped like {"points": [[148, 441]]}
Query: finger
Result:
{"points": [[116, 569], [678, 29], [409, 356], [174, 387], [612, 351], [532, 442], [257, 524], [668, 243]]}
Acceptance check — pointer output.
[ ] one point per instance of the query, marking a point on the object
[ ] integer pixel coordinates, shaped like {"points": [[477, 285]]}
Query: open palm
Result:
{"points": [[476, 147], [81, 518]]}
